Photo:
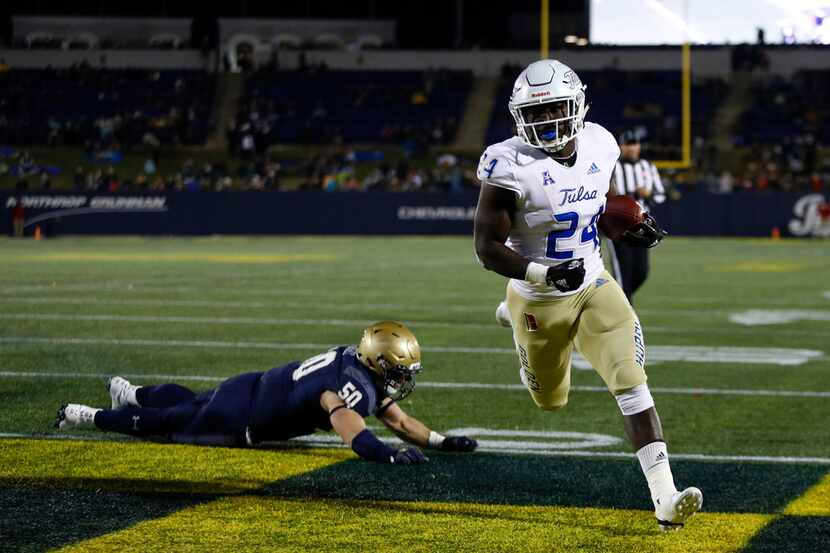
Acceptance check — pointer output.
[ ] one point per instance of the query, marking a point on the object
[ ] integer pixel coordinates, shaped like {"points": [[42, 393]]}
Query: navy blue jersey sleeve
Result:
{"points": [[357, 390]]}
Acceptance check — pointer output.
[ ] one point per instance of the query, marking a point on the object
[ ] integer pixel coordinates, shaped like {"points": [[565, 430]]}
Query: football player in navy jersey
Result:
{"points": [[332, 390]]}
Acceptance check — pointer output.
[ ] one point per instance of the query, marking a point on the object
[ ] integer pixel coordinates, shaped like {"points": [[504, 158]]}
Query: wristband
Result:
{"points": [[370, 448], [435, 439], [536, 273], [341, 406]]}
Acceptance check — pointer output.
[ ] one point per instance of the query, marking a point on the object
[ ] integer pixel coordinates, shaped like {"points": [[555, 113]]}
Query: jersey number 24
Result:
{"points": [[589, 233]]}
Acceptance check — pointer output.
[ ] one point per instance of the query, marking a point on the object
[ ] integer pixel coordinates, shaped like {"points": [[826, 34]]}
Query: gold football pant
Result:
{"points": [[598, 320]]}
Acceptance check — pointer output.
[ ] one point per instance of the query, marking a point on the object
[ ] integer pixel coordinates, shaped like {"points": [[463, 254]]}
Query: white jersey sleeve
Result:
{"points": [[606, 143], [497, 169]]}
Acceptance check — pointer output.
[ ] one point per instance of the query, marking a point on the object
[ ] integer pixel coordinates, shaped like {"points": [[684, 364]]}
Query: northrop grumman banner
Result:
{"points": [[379, 213]]}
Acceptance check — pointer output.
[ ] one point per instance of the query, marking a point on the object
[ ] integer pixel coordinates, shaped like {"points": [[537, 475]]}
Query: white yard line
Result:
{"points": [[329, 306], [282, 321], [159, 378], [334, 442], [655, 354], [471, 307], [276, 321]]}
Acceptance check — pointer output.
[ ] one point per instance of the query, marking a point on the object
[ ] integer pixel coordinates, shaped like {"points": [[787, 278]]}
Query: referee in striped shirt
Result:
{"points": [[639, 179]]}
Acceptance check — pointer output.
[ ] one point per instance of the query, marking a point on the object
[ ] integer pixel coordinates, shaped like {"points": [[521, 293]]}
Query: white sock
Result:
{"points": [[131, 399], [654, 460]]}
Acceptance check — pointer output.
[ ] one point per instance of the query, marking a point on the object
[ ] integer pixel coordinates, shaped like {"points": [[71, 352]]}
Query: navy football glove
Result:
{"points": [[646, 234], [461, 444], [567, 276], [409, 455]]}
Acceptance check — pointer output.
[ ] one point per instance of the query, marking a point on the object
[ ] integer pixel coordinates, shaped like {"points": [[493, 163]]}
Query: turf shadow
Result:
{"points": [[792, 534], [564, 481], [39, 519]]}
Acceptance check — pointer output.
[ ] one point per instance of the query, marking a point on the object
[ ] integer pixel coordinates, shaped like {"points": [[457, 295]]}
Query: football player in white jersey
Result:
{"points": [[542, 193]]}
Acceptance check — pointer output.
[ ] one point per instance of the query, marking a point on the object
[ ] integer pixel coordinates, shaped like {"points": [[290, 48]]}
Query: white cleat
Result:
{"points": [[121, 392], [672, 514], [503, 315], [74, 415]]}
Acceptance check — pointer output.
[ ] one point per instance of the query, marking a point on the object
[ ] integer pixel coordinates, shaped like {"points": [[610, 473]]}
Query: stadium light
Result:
{"points": [[677, 21]]}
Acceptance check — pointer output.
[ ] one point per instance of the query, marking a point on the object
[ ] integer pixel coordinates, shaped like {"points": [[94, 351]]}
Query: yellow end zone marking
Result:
{"points": [[814, 502], [760, 267], [144, 466], [176, 257], [273, 524]]}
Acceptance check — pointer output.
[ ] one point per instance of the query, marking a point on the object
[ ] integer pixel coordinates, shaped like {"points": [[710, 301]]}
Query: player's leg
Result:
{"points": [[135, 421], [543, 333], [225, 414], [610, 337], [163, 395], [123, 393], [639, 269], [623, 264]]}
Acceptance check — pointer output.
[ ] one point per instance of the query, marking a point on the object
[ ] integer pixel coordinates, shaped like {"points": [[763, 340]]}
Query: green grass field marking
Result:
{"points": [[256, 523], [84, 257], [562, 481], [435, 280], [36, 519], [150, 467]]}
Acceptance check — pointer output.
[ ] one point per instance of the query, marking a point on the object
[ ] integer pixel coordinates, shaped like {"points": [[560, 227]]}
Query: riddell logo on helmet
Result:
{"points": [[537, 94]]}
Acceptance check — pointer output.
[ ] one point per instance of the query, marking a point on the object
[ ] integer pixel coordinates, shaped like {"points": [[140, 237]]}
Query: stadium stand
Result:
{"points": [[86, 106], [318, 106]]}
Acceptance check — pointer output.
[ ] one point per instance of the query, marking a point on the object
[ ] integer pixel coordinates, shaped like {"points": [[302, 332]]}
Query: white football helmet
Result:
{"points": [[548, 82]]}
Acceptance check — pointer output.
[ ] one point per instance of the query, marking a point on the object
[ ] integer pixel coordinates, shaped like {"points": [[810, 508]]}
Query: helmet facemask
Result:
{"points": [[552, 123], [398, 380]]}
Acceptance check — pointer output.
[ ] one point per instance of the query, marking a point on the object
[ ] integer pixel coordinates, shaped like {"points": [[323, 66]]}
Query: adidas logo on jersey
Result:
{"points": [[593, 169], [547, 179]]}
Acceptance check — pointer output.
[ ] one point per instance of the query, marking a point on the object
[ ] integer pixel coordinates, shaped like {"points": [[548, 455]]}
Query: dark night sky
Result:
{"points": [[420, 24]]}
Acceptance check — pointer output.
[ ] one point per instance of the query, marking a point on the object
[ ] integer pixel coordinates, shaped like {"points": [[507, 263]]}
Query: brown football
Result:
{"points": [[621, 213]]}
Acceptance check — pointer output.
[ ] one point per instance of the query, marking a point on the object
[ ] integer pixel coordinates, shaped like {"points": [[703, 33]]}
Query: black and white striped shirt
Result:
{"points": [[633, 175]]}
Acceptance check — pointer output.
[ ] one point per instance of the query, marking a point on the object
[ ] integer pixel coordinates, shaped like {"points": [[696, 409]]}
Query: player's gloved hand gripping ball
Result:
{"points": [[624, 219], [567, 276]]}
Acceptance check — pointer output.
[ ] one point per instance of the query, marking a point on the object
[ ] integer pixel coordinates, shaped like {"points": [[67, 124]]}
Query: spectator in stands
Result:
{"points": [[150, 166], [79, 178], [45, 181], [26, 164]]}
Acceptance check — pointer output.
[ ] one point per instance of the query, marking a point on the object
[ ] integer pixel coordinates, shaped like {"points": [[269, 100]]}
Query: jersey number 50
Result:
{"points": [[350, 394], [589, 233], [312, 364]]}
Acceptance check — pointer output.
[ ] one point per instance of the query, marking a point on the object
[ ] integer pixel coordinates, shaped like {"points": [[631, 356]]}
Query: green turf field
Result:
{"points": [[737, 337]]}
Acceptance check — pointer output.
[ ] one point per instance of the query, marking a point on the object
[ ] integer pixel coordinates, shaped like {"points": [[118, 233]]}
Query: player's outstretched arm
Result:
{"points": [[493, 221], [352, 430], [415, 432]]}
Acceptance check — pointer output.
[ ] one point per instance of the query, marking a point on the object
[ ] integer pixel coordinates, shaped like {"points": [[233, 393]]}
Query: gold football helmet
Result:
{"points": [[391, 351]]}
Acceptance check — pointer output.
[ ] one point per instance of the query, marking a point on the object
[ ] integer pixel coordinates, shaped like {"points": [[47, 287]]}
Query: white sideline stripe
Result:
{"points": [[281, 321], [655, 354], [326, 443], [218, 344], [438, 385], [417, 305], [232, 320], [753, 317]]}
